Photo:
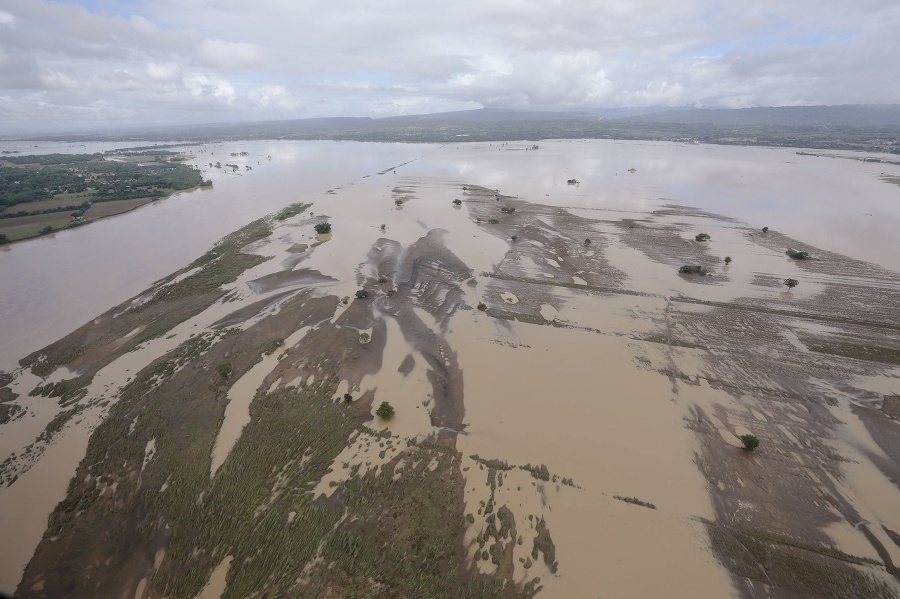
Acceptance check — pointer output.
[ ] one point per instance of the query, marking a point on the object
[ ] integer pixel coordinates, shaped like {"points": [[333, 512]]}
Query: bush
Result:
{"points": [[750, 442], [691, 269], [224, 369], [727, 259], [791, 283], [385, 411], [323, 228], [362, 294], [798, 255], [702, 237]]}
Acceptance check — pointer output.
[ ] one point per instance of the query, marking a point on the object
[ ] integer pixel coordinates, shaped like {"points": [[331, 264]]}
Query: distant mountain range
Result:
{"points": [[854, 127], [855, 115]]}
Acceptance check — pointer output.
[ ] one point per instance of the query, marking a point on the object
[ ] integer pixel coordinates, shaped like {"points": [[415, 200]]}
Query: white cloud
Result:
{"points": [[197, 61]]}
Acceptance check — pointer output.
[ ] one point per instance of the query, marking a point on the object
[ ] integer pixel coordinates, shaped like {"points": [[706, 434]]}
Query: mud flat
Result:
{"points": [[567, 418]]}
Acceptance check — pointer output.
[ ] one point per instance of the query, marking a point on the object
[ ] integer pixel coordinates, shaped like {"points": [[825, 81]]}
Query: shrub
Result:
{"points": [[791, 283], [224, 369], [702, 237], [323, 228], [727, 259], [362, 294], [750, 442], [385, 411], [798, 255], [691, 269]]}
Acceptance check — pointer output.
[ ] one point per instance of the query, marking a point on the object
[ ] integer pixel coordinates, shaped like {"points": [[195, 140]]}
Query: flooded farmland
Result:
{"points": [[568, 405]]}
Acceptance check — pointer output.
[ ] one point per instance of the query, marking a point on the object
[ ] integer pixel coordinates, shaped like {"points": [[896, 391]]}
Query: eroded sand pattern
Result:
{"points": [[567, 417]]}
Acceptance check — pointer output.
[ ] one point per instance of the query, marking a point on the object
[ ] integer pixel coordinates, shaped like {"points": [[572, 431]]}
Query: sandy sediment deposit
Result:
{"points": [[568, 410]]}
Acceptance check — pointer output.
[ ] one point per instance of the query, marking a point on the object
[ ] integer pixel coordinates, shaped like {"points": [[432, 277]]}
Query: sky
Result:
{"points": [[107, 64]]}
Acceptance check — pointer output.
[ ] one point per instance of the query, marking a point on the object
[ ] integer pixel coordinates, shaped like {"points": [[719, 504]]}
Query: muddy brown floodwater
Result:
{"points": [[568, 406]]}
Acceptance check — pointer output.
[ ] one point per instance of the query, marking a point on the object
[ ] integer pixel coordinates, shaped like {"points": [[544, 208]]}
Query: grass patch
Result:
{"points": [[798, 567], [845, 348]]}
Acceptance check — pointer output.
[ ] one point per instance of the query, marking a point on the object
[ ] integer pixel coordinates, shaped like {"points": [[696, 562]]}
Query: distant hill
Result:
{"points": [[851, 115], [863, 127]]}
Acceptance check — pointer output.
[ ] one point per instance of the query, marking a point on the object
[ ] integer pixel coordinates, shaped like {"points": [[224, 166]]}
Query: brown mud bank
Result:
{"points": [[568, 408]]}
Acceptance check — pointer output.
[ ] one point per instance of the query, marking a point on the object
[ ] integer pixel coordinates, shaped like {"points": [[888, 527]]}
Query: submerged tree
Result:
{"points": [[791, 283], [385, 411], [727, 259], [323, 228], [750, 442], [702, 237]]}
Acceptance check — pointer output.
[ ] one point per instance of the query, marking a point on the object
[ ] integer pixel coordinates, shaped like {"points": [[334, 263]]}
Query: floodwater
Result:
{"points": [[52, 285], [587, 409]]}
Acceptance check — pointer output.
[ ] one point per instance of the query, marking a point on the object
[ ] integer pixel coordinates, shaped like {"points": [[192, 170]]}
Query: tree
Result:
{"points": [[385, 411], [702, 237], [791, 283], [348, 398], [750, 442], [224, 369], [514, 237], [323, 228], [797, 255], [457, 202], [587, 242], [727, 259], [364, 337], [765, 229], [482, 306], [398, 202], [362, 294], [3, 238], [46, 230]]}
